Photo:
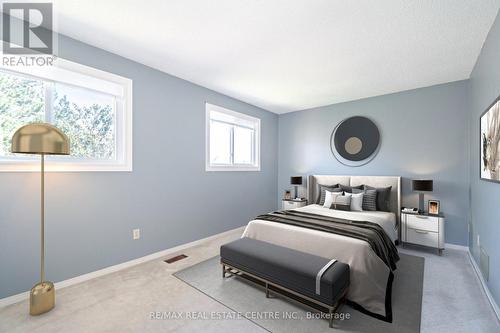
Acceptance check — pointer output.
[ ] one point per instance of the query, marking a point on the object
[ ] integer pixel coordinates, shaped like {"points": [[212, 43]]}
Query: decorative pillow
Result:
{"points": [[370, 200], [357, 202], [383, 195], [342, 202], [349, 189], [330, 197], [321, 196]]}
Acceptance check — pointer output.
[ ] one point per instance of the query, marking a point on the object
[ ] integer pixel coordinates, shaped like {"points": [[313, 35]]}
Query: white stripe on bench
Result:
{"points": [[320, 274]]}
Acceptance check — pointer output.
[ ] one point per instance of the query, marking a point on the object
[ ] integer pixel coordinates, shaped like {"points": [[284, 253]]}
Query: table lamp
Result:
{"points": [[41, 139], [297, 180], [422, 186]]}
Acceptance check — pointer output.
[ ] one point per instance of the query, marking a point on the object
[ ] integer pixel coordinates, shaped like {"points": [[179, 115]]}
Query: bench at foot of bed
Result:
{"points": [[313, 279]]}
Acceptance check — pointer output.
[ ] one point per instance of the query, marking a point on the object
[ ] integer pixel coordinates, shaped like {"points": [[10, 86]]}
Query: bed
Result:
{"points": [[371, 277]]}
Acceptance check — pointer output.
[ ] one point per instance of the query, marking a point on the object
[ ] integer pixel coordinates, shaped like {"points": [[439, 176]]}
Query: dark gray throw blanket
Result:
{"points": [[370, 232]]}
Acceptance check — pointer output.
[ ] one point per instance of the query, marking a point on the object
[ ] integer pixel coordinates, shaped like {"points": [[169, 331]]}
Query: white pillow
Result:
{"points": [[329, 196], [357, 202]]}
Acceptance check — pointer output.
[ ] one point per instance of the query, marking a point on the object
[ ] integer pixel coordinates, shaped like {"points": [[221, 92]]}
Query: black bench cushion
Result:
{"points": [[289, 268]]}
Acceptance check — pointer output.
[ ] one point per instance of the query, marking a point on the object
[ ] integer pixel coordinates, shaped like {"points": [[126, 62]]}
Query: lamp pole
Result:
{"points": [[42, 226]]}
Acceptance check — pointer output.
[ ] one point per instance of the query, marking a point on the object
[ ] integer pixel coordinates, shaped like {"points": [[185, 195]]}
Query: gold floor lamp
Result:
{"points": [[41, 139]]}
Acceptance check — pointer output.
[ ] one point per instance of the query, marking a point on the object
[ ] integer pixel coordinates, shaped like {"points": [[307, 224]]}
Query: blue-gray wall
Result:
{"points": [[422, 136], [485, 196], [169, 196]]}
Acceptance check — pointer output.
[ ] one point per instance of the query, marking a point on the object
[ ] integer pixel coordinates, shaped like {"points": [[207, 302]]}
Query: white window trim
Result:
{"points": [[233, 167], [89, 78]]}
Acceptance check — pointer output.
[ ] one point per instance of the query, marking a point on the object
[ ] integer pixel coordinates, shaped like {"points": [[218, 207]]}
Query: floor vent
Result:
{"points": [[484, 264], [176, 258]]}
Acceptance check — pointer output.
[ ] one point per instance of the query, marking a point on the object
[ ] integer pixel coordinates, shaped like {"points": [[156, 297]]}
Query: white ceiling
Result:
{"points": [[287, 55]]}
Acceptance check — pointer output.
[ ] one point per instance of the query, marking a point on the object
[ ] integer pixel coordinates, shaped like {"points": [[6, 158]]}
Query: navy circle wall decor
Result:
{"points": [[355, 141]]}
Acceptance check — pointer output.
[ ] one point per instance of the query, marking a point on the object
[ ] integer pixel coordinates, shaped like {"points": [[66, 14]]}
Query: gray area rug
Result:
{"points": [[278, 314]]}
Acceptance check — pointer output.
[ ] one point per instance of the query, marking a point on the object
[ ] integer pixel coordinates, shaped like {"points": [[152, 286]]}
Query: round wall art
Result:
{"points": [[355, 141]]}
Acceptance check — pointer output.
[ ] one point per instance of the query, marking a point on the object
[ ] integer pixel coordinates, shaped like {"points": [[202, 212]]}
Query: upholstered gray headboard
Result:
{"points": [[375, 181]]}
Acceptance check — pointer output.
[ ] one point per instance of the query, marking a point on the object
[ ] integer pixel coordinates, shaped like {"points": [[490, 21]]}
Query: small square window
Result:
{"points": [[233, 140]]}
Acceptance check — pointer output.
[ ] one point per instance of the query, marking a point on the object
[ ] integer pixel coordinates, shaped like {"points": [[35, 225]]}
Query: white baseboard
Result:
{"points": [[456, 247], [111, 269], [494, 305], [14, 299]]}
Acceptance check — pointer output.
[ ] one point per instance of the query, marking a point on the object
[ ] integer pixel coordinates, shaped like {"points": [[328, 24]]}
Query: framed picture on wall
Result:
{"points": [[490, 143], [433, 207]]}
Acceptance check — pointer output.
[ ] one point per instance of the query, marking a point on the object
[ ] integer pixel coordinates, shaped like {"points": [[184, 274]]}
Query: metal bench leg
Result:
{"points": [[223, 271], [267, 290], [336, 307]]}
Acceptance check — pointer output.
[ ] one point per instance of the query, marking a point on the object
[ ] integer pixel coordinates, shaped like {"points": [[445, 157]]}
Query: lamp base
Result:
{"points": [[421, 203], [42, 298]]}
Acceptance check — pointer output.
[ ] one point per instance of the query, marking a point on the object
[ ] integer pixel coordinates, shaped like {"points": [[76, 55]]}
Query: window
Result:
{"points": [[233, 140], [92, 107]]}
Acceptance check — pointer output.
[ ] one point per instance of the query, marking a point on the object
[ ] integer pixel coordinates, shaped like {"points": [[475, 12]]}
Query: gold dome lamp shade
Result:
{"points": [[41, 139]]}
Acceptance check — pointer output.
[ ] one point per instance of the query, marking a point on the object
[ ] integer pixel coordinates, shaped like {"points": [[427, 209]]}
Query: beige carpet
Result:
{"points": [[453, 301]]}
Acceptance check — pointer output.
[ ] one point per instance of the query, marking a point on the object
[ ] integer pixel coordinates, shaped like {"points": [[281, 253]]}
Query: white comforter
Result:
{"points": [[368, 273]]}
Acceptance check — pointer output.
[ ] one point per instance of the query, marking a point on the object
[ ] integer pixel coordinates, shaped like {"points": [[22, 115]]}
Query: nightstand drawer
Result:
{"points": [[422, 237], [290, 205], [420, 222]]}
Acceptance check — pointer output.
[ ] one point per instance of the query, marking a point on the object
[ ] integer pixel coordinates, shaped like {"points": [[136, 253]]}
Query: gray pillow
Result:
{"points": [[349, 189], [341, 202], [321, 196], [383, 195], [369, 199]]}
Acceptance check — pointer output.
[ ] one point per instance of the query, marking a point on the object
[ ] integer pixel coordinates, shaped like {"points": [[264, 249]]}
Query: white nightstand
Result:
{"points": [[425, 230], [291, 204]]}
